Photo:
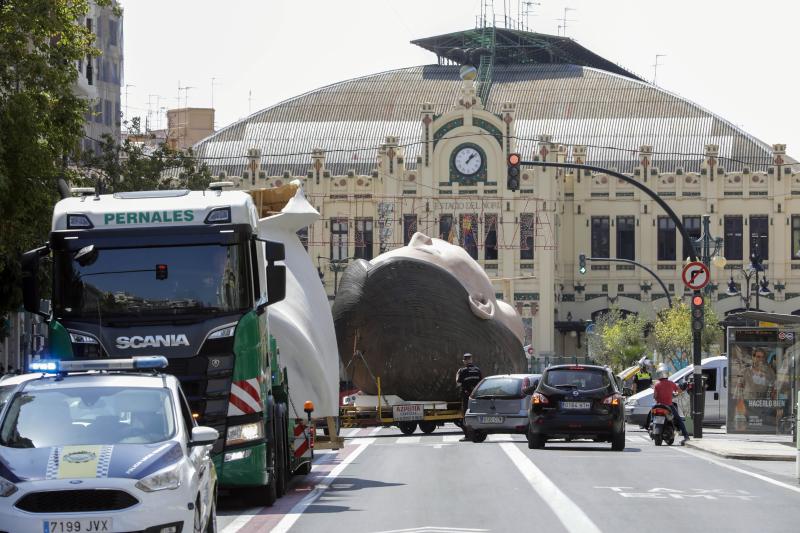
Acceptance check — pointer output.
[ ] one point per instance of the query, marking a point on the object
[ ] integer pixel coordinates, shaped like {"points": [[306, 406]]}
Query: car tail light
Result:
{"points": [[539, 399], [576, 367], [614, 399], [660, 412]]}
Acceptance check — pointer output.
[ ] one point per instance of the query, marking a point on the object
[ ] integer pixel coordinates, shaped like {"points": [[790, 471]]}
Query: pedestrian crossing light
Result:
{"points": [[582, 264], [512, 181], [697, 313]]}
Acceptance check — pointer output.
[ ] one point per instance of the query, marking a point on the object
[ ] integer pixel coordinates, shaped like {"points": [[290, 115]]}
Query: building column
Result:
{"points": [[545, 180]]}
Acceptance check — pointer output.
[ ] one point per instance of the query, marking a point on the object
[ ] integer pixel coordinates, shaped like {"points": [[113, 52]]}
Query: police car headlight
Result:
{"points": [[165, 479], [632, 402], [6, 488], [245, 433]]}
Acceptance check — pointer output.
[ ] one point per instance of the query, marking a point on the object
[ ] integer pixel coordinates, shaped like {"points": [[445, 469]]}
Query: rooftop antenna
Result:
{"points": [[655, 67], [564, 20], [126, 99], [250, 102], [213, 83], [526, 11]]}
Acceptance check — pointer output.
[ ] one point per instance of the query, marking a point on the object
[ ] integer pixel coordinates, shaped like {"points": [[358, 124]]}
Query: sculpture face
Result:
{"points": [[467, 271]]}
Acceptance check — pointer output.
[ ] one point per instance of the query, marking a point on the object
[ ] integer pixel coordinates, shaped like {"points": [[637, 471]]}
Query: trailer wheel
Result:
{"points": [[427, 427], [407, 428], [304, 469]]}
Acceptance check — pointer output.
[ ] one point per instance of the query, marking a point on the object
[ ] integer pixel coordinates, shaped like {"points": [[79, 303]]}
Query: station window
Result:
{"points": [[601, 238], [338, 239], [526, 221], [795, 237], [692, 225], [626, 237], [446, 232], [490, 237], [468, 226], [759, 235], [666, 239], [733, 237], [363, 238], [409, 228]]}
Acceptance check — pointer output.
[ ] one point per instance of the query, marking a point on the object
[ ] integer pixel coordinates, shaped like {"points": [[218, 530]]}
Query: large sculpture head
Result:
{"points": [[409, 315]]}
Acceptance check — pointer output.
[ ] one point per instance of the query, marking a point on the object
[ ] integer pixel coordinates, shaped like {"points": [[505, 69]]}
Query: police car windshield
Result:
{"points": [[155, 282], [86, 416]]}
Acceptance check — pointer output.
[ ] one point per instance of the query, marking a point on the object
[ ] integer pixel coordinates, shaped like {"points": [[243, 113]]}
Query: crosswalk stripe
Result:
{"points": [[409, 440], [451, 438]]}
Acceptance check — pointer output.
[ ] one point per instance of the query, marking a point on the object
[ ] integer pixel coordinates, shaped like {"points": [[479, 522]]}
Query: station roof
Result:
{"points": [[517, 47]]}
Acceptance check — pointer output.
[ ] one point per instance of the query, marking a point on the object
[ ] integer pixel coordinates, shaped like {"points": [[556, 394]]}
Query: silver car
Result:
{"points": [[499, 404]]}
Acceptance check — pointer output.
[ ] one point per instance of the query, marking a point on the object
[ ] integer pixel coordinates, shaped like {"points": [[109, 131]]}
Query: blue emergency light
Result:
{"points": [[54, 366]]}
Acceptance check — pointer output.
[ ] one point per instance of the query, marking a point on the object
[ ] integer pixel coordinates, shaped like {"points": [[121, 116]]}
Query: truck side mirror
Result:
{"points": [[30, 279], [276, 274]]}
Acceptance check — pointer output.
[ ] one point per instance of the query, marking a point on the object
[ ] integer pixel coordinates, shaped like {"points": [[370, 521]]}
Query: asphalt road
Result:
{"points": [[383, 481]]}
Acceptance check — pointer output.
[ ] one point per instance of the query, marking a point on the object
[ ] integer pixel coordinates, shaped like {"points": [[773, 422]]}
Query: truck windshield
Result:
{"points": [[154, 282]]}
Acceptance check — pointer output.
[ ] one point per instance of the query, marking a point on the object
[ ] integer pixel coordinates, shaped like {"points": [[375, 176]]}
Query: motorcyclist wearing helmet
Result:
{"points": [[664, 393]]}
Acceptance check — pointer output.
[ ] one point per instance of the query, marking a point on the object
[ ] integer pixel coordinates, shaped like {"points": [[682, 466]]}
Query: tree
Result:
{"points": [[619, 338], [128, 167], [41, 120], [672, 333]]}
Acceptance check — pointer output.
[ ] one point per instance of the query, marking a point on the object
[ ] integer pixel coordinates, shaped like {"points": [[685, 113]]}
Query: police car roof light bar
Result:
{"points": [[51, 366]]}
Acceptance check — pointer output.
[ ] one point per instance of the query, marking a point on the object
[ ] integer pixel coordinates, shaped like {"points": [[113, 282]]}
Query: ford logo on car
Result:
{"points": [[152, 341]]}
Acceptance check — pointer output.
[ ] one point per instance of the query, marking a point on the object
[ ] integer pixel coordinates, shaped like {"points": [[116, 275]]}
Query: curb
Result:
{"points": [[744, 456]]}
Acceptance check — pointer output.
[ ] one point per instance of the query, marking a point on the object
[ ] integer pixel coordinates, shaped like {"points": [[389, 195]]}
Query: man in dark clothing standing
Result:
{"points": [[467, 377]]}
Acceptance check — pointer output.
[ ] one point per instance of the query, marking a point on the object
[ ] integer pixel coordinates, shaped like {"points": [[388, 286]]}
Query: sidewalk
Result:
{"points": [[746, 447]]}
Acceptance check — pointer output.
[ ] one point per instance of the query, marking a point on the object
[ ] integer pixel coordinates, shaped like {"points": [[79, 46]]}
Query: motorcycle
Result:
{"points": [[662, 425]]}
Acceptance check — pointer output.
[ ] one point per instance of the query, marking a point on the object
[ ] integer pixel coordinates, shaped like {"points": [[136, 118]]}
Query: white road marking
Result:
{"points": [[241, 520], [375, 431], [571, 516], [292, 516], [741, 470], [352, 432], [433, 529], [409, 440], [452, 438]]}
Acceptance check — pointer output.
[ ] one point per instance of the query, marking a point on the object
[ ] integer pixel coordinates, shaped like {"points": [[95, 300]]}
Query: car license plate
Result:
{"points": [[80, 525], [658, 419], [576, 405], [491, 419]]}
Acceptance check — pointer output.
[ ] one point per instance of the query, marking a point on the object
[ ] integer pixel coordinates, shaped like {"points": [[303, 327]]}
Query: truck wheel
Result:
{"points": [[304, 469], [427, 427], [407, 428]]}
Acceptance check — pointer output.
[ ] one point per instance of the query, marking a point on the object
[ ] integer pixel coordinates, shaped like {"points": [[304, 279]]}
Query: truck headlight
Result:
{"points": [[168, 478], [6, 488], [245, 433]]}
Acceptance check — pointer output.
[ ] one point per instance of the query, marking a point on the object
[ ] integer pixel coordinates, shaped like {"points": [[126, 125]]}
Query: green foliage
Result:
{"points": [[127, 167], [672, 333], [41, 120], [619, 341]]}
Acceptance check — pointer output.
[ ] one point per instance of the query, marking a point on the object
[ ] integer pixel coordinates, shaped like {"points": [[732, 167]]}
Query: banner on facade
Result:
{"points": [[762, 370]]}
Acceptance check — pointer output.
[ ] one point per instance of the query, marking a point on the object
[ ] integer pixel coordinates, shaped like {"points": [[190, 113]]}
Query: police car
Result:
{"points": [[103, 446]]}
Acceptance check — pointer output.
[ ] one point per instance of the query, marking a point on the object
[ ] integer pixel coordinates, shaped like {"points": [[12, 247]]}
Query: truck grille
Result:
{"points": [[206, 381], [75, 501]]}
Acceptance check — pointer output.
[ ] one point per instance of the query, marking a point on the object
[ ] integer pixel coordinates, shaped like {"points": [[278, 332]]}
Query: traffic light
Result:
{"points": [[582, 264], [697, 313], [512, 181]]}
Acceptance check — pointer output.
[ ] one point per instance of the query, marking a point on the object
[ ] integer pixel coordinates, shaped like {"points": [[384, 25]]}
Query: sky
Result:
{"points": [[734, 58]]}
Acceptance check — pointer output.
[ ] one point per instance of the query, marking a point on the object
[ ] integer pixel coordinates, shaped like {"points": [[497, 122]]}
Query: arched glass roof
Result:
{"points": [[610, 113]]}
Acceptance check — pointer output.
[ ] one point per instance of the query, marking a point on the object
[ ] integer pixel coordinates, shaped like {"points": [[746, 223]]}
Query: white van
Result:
{"points": [[715, 370]]}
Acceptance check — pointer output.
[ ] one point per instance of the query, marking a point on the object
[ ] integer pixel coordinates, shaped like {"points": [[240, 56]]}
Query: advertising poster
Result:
{"points": [[762, 371]]}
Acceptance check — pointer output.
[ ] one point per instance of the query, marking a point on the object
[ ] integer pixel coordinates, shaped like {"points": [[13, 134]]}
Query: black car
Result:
{"points": [[577, 402]]}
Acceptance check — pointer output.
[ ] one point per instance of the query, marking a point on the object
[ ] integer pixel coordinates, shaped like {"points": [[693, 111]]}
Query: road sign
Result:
{"points": [[695, 275]]}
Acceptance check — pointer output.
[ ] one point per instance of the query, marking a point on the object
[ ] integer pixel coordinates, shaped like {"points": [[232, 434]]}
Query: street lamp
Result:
{"points": [[335, 266], [751, 270]]}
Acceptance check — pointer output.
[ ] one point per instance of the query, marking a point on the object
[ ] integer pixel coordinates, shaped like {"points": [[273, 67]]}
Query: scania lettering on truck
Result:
{"points": [[188, 275]]}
